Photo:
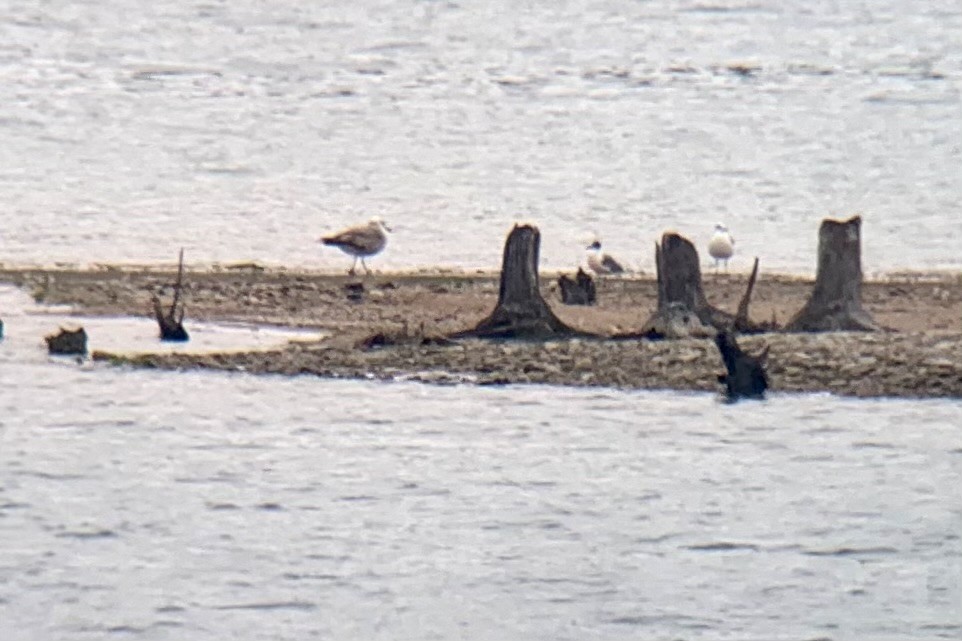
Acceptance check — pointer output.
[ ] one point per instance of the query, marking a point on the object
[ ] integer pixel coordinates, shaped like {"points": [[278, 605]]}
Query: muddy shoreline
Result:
{"points": [[920, 357]]}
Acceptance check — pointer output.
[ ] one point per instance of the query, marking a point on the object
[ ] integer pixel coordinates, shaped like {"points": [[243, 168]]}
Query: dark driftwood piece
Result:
{"points": [[836, 300], [66, 341], [171, 322], [521, 311], [745, 377], [683, 309], [579, 290]]}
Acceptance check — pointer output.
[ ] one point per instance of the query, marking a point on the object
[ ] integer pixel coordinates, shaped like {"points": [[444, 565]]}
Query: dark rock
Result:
{"points": [[68, 342]]}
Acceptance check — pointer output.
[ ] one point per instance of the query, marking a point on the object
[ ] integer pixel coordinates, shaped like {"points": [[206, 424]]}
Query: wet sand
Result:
{"points": [[405, 312]]}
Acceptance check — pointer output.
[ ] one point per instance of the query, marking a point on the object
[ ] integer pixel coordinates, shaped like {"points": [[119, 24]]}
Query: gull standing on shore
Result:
{"points": [[721, 247], [360, 241], [600, 262]]}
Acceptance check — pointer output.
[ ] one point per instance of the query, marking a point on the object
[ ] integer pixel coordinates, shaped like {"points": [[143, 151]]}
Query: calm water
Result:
{"points": [[139, 505], [242, 130]]}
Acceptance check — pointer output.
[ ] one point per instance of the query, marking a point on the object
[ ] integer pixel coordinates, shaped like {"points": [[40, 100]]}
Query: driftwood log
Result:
{"points": [[745, 374], [579, 290], [683, 309], [171, 321], [68, 341], [836, 300], [521, 311]]}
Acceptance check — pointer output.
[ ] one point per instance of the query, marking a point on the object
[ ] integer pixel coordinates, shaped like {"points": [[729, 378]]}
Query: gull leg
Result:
{"points": [[350, 272], [367, 270]]}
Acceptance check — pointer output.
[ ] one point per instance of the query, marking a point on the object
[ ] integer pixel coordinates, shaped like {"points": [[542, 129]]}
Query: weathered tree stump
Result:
{"points": [[521, 311], [836, 300], [683, 309], [171, 322], [579, 290], [745, 377], [68, 342]]}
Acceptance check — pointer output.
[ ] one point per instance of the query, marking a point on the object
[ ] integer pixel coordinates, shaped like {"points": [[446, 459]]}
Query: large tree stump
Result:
{"points": [[683, 309], [521, 311], [68, 342], [171, 321], [745, 377], [836, 300], [579, 290]]}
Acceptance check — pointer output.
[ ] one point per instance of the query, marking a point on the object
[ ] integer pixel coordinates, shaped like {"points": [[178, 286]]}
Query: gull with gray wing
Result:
{"points": [[721, 247]]}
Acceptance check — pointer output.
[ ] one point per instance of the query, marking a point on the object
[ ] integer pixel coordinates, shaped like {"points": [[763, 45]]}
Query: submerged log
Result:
{"points": [[745, 374], [683, 309], [579, 290], [68, 342], [836, 300], [521, 311], [171, 321]]}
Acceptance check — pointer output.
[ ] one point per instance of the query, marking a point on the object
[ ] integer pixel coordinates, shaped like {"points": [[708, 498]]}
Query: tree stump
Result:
{"points": [[836, 300], [521, 312], [171, 321], [745, 377], [683, 309], [579, 290], [68, 342]]}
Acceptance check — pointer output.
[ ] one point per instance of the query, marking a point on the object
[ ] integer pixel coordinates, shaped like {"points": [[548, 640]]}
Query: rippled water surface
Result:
{"points": [[140, 505], [242, 130]]}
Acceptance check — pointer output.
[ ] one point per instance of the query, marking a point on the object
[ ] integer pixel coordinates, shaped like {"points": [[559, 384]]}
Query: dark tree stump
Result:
{"points": [[836, 300], [171, 322], [521, 311], [579, 290], [68, 342], [683, 309], [745, 377]]}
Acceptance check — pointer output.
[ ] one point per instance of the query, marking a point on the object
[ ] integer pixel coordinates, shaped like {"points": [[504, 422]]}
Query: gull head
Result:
{"points": [[594, 246], [376, 221]]}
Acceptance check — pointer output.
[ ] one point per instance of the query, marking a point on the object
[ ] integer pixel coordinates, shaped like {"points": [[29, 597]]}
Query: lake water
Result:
{"points": [[164, 505], [146, 505], [243, 130]]}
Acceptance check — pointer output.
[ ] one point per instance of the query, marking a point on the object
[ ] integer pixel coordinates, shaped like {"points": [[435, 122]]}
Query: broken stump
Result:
{"points": [[745, 374], [683, 309], [68, 342], [579, 290], [521, 311], [836, 300], [171, 321]]}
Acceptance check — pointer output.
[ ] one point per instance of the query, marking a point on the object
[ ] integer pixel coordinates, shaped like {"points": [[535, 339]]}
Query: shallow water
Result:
{"points": [[25, 323], [243, 132], [149, 505]]}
